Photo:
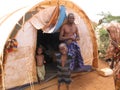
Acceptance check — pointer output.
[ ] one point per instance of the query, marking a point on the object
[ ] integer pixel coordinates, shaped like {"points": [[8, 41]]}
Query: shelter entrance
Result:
{"points": [[50, 42]]}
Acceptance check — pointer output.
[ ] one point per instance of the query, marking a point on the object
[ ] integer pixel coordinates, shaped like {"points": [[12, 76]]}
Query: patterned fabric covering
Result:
{"points": [[114, 51], [11, 45], [117, 68], [63, 73], [117, 54], [117, 63], [109, 52], [77, 60]]}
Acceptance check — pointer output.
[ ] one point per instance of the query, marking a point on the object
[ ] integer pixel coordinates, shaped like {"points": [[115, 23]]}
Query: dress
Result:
{"points": [[64, 73]]}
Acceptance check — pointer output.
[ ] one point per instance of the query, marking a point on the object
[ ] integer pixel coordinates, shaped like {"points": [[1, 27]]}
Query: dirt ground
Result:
{"points": [[81, 81]]}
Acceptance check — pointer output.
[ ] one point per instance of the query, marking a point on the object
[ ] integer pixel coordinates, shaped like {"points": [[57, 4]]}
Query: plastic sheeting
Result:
{"points": [[26, 38], [20, 66]]}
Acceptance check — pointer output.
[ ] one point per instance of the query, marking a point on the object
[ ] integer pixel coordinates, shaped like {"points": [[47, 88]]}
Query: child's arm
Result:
{"points": [[44, 59]]}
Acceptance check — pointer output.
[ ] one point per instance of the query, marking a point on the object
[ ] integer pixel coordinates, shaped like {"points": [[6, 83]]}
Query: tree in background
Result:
{"points": [[102, 34], [108, 17]]}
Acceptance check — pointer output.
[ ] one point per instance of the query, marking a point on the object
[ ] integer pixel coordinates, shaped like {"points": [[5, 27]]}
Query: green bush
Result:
{"points": [[103, 42]]}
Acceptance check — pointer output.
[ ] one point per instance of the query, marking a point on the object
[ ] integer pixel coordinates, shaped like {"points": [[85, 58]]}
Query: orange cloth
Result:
{"points": [[53, 18]]}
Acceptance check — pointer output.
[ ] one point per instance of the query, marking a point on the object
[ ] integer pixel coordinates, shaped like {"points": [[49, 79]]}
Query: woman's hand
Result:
{"points": [[72, 38]]}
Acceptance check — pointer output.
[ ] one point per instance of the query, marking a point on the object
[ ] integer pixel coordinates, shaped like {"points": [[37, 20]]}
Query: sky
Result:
{"points": [[91, 7], [94, 7]]}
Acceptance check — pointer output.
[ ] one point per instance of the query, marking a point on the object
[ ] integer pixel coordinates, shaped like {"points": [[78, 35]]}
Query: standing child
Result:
{"points": [[63, 65], [40, 63]]}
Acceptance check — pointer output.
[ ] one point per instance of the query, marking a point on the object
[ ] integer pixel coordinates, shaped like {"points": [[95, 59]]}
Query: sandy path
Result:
{"points": [[81, 81]]}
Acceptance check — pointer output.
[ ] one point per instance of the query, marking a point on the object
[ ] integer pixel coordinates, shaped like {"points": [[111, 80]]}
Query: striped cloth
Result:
{"points": [[63, 73]]}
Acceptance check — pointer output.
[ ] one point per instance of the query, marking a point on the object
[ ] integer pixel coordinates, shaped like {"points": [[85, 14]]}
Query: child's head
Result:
{"points": [[40, 50], [63, 48]]}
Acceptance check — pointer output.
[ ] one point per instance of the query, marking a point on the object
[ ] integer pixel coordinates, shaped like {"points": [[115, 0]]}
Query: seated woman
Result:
{"points": [[69, 34]]}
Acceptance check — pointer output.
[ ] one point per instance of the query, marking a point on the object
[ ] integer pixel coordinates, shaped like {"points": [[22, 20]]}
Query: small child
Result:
{"points": [[63, 65], [40, 63]]}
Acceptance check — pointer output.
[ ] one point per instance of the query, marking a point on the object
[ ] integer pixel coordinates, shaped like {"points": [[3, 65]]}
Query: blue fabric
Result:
{"points": [[74, 50], [77, 64], [61, 18]]}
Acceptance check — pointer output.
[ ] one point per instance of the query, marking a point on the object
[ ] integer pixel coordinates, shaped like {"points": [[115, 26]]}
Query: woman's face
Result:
{"points": [[71, 18]]}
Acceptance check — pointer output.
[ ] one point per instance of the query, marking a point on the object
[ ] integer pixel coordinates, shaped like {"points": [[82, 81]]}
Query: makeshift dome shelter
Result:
{"points": [[113, 29], [19, 66], [113, 51]]}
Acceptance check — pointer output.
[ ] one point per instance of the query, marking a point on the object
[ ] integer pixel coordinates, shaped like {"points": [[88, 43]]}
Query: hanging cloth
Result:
{"points": [[53, 18], [61, 18]]}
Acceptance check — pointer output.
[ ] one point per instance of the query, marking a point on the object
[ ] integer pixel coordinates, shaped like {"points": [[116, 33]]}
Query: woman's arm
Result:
{"points": [[77, 34]]}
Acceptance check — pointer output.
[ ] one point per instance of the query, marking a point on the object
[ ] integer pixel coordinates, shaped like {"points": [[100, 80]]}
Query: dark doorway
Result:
{"points": [[50, 42]]}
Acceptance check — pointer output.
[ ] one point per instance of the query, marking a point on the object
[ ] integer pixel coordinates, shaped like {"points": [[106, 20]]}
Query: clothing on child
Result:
{"points": [[64, 73], [41, 72]]}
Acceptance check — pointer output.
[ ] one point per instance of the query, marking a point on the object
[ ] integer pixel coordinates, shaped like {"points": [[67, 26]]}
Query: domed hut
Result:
{"points": [[39, 23]]}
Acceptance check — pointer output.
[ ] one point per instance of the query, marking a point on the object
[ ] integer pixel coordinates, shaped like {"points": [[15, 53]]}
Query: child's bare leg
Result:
{"points": [[67, 86], [59, 86], [39, 80]]}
